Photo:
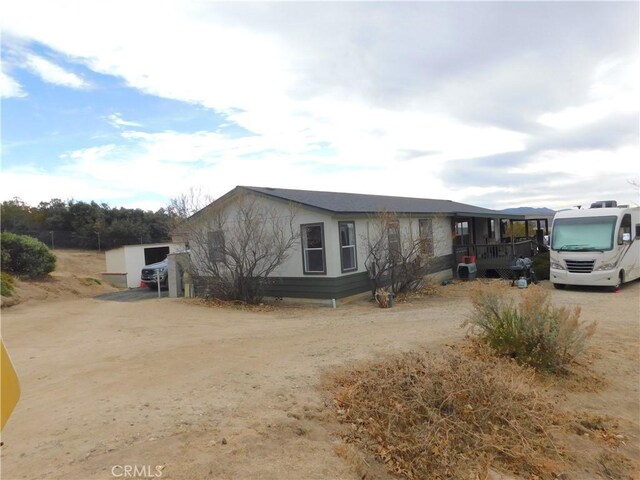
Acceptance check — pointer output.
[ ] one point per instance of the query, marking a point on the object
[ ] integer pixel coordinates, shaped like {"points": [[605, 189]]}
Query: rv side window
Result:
{"points": [[625, 227], [638, 231]]}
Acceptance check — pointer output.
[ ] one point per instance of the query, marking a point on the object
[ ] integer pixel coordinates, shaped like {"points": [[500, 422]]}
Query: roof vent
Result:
{"points": [[604, 204]]}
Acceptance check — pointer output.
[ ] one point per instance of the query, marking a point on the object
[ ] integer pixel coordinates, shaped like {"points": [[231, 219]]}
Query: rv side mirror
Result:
{"points": [[626, 237]]}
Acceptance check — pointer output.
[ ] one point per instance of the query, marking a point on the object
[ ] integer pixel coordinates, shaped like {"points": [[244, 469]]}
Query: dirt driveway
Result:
{"points": [[186, 391]]}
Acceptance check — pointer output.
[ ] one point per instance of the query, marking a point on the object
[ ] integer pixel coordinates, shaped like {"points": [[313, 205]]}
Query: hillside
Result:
{"points": [[542, 211], [77, 275]]}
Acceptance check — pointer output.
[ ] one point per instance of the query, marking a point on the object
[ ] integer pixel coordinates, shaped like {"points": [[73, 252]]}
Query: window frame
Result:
{"points": [[461, 238], [216, 245], [426, 241], [354, 246], [393, 230], [625, 227], [305, 249]]}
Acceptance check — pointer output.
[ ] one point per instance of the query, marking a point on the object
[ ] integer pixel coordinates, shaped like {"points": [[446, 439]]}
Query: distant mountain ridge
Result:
{"points": [[529, 211]]}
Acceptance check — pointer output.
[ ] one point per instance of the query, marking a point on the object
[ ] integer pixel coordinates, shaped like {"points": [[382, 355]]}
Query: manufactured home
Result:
{"points": [[328, 260]]}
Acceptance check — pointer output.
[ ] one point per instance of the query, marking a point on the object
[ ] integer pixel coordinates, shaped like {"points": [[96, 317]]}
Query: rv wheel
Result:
{"points": [[619, 282]]}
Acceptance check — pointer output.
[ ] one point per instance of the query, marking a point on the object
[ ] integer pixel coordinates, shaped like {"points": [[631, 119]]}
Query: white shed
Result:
{"points": [[124, 264]]}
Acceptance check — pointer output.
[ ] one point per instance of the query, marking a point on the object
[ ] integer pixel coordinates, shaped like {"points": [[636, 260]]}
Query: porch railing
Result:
{"points": [[495, 252]]}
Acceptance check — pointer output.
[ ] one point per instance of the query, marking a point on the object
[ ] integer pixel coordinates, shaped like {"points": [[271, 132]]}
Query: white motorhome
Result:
{"points": [[598, 246]]}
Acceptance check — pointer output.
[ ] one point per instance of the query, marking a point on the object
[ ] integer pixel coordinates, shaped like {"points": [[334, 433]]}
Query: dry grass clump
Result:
{"points": [[428, 288], [236, 304], [613, 465], [452, 415], [533, 331]]}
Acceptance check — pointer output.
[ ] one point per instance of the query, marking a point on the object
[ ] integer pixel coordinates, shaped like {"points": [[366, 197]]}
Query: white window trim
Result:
{"points": [[351, 246], [305, 262]]}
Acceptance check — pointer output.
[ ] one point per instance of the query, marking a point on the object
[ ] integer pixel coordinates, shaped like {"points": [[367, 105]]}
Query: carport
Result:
{"points": [[124, 264]]}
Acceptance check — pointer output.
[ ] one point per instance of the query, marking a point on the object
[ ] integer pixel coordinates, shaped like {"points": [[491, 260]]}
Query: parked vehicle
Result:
{"points": [[150, 273], [598, 246]]}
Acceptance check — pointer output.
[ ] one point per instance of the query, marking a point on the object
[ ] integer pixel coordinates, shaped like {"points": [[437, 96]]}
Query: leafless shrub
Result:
{"points": [[396, 257], [236, 246]]}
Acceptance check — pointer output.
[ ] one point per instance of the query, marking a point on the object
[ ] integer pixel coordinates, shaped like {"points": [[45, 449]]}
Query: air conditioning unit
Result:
{"points": [[604, 204]]}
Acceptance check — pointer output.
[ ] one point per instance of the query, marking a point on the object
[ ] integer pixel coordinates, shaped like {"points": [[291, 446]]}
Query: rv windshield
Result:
{"points": [[585, 234]]}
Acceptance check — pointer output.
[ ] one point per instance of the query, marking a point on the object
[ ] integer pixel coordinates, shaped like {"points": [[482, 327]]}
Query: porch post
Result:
{"points": [[513, 247]]}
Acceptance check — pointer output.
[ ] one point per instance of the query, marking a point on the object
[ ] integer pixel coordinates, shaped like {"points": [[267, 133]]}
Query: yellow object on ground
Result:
{"points": [[9, 386]]}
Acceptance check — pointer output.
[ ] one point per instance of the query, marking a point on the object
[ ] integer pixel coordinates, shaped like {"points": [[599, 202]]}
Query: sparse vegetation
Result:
{"points": [[6, 284], [25, 256], [448, 416], [533, 331]]}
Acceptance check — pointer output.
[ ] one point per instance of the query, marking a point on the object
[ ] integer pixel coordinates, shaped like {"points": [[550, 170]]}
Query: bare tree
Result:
{"points": [[397, 257], [188, 203], [235, 247]]}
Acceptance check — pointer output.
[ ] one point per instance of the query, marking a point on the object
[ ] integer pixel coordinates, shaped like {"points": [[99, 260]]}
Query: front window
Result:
{"points": [[583, 234], [313, 248], [216, 246], [393, 235], [425, 226], [348, 246]]}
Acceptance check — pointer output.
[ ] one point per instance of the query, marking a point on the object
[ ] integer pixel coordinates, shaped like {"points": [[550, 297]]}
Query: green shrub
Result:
{"points": [[533, 331], [541, 266], [6, 284], [25, 256]]}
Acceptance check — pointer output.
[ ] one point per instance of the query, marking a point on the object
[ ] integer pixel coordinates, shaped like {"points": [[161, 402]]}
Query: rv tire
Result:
{"points": [[619, 283]]}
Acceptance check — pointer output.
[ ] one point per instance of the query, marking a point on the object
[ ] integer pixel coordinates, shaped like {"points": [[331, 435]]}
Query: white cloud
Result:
{"points": [[9, 88], [117, 121], [580, 164], [346, 78], [615, 89], [52, 73], [250, 74]]}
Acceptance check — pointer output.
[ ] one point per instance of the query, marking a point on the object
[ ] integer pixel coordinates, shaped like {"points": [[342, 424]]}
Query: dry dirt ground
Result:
{"points": [[187, 391], [77, 274]]}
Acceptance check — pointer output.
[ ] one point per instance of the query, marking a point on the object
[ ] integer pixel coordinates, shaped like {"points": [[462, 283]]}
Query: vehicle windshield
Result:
{"points": [[585, 234]]}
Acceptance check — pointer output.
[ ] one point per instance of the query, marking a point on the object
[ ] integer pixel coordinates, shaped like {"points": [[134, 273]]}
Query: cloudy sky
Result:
{"points": [[495, 104]]}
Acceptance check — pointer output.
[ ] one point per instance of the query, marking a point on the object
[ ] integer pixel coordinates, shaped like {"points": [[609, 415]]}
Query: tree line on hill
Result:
{"points": [[77, 224]]}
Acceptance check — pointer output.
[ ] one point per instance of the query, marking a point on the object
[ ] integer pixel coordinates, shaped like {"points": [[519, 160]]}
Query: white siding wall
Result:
{"points": [[134, 256], [115, 261], [293, 266]]}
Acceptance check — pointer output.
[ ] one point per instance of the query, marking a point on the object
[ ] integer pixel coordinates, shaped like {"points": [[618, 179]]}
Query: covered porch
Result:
{"points": [[494, 242]]}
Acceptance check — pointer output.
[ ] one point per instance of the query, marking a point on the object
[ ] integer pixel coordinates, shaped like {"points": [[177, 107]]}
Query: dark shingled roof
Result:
{"points": [[359, 203]]}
